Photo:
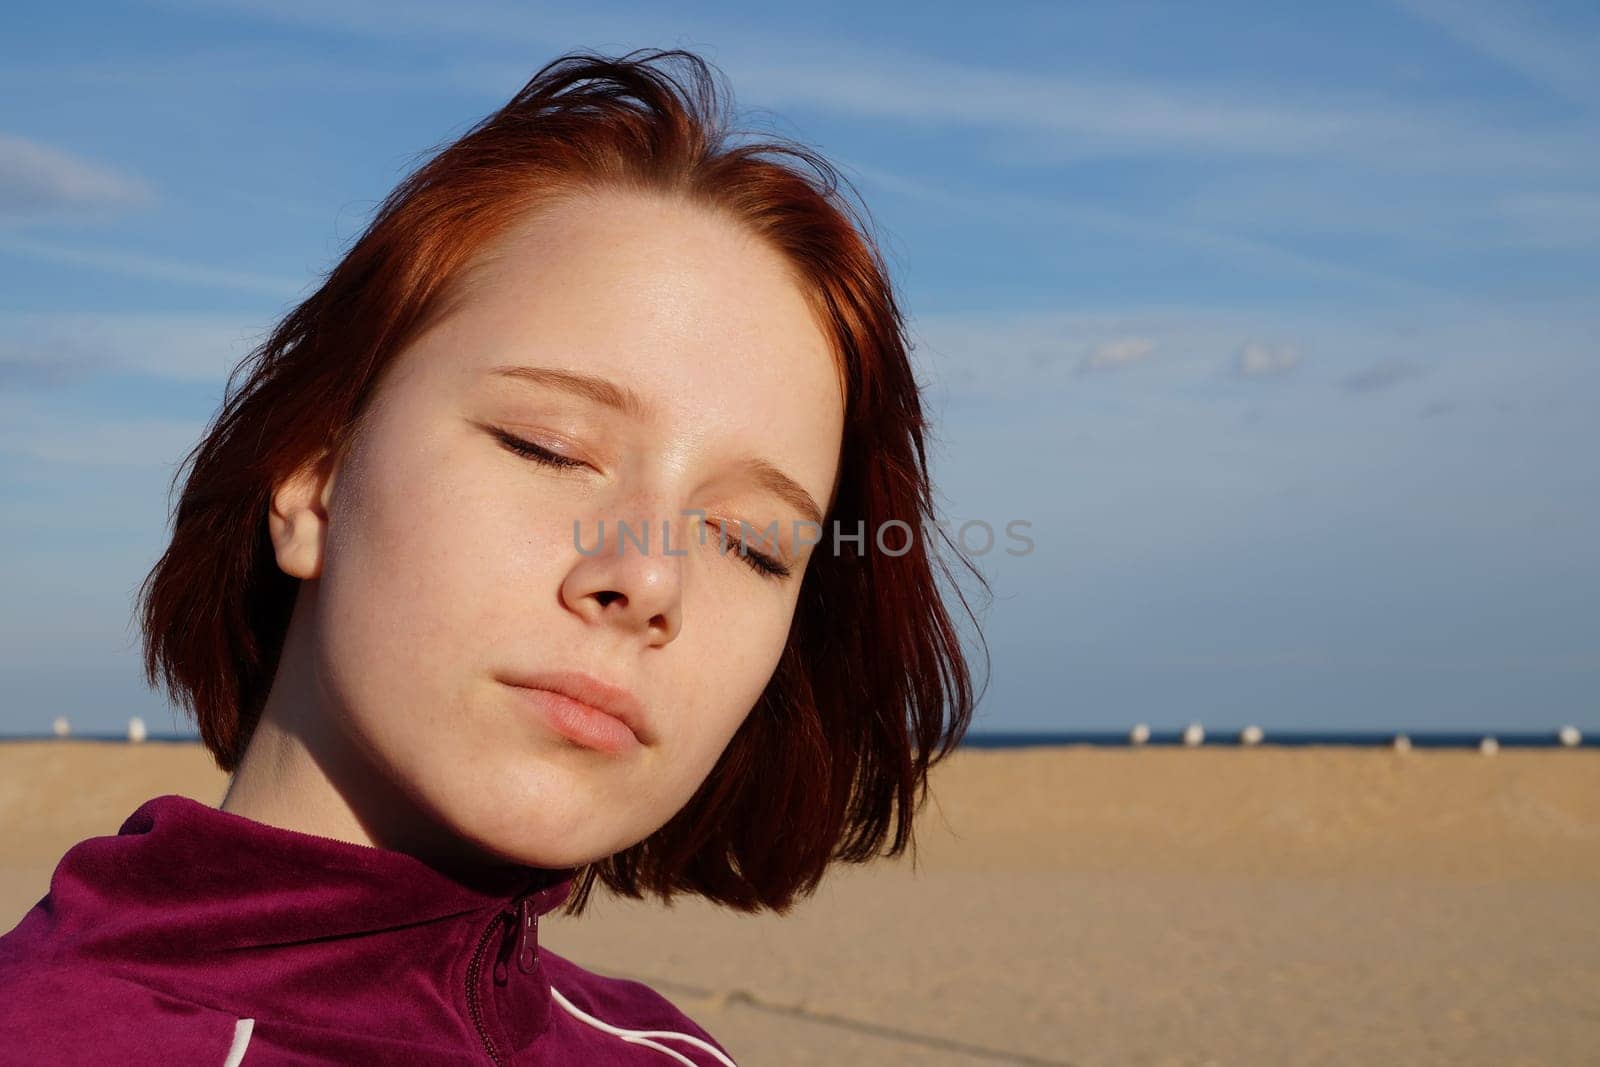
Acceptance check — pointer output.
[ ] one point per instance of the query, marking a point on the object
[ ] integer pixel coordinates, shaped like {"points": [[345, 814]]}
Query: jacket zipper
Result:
{"points": [[526, 926], [474, 975]]}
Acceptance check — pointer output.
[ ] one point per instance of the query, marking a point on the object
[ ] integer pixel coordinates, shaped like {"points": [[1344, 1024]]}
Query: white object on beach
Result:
{"points": [[1488, 746], [1139, 734], [1402, 743], [1250, 735], [1570, 736], [136, 730], [61, 727], [1193, 734]]}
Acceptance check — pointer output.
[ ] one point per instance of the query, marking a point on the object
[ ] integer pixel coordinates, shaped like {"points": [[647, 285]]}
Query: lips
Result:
{"points": [[595, 695]]}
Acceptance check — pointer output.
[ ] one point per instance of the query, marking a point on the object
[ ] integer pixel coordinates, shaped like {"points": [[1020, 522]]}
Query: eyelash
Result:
{"points": [[534, 452], [760, 562]]}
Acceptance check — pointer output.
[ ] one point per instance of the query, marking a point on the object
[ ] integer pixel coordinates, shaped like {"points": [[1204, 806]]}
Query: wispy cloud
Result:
{"points": [[1386, 372], [1120, 352], [155, 268], [102, 443], [21, 368], [1513, 36], [1554, 219], [232, 68], [1215, 354], [1261, 360], [39, 180], [45, 349], [1070, 119], [1031, 355], [1050, 118], [1007, 207]]}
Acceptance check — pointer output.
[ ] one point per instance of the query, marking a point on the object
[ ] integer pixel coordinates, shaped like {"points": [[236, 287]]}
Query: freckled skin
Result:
{"points": [[433, 558]]}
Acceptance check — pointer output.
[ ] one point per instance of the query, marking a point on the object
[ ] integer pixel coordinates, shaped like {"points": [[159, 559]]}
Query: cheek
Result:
{"points": [[732, 670], [413, 585]]}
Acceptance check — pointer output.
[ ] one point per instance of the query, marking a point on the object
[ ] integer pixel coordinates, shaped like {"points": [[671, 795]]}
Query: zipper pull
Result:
{"points": [[522, 932], [501, 972], [528, 936], [528, 939]]}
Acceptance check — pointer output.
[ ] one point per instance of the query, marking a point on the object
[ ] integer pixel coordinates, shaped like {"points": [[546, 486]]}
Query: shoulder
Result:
{"points": [[624, 1007], [73, 1013], [64, 1007]]}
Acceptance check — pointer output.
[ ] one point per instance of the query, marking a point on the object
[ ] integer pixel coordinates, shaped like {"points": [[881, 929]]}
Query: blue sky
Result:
{"points": [[1277, 322]]}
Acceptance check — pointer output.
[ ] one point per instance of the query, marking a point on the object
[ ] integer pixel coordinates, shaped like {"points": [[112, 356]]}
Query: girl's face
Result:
{"points": [[668, 360]]}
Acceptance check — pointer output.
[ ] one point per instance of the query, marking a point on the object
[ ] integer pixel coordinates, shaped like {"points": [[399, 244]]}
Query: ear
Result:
{"points": [[297, 517]]}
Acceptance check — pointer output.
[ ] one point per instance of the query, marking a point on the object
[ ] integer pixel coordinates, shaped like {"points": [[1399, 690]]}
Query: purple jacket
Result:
{"points": [[196, 936]]}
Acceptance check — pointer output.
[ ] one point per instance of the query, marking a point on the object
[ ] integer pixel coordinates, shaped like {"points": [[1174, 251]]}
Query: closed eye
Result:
{"points": [[762, 563], [759, 562], [537, 453]]}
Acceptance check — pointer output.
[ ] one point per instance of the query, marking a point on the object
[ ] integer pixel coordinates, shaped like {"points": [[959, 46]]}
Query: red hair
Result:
{"points": [[872, 688]]}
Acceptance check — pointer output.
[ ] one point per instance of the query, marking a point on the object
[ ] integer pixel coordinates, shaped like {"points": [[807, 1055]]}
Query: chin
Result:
{"points": [[539, 851], [513, 830]]}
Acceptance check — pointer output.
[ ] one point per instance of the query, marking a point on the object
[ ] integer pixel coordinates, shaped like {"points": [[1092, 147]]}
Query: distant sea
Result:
{"points": [[1120, 739], [1230, 738]]}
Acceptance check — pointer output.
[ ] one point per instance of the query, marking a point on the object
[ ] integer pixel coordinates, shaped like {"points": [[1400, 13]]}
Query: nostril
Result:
{"points": [[607, 596]]}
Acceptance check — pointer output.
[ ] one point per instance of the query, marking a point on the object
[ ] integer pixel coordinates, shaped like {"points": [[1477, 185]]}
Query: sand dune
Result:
{"points": [[1093, 906]]}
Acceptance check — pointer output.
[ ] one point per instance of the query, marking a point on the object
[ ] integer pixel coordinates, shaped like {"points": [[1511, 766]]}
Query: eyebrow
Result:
{"points": [[600, 390], [784, 488], [619, 397]]}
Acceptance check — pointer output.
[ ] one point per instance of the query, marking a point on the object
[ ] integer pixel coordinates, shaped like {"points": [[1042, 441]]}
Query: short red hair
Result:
{"points": [[872, 688]]}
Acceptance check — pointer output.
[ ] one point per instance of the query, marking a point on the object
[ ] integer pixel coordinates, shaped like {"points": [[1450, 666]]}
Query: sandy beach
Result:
{"points": [[1091, 906]]}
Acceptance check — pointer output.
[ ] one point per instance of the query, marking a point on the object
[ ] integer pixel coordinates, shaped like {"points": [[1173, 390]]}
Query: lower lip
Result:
{"points": [[578, 722]]}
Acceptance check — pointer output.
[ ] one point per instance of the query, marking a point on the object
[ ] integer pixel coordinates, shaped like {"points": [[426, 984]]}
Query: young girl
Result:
{"points": [[573, 531]]}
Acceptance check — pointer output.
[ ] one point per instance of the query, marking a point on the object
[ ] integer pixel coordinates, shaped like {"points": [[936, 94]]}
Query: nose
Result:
{"points": [[628, 573]]}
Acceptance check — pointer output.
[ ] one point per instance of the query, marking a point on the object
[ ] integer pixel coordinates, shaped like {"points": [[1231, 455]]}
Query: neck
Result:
{"points": [[301, 771], [299, 776], [281, 783]]}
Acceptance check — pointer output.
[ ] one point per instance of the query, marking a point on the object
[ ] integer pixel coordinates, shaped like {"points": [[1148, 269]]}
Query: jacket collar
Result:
{"points": [[214, 902]]}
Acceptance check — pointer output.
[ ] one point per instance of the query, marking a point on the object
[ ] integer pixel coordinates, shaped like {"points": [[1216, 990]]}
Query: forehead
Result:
{"points": [[683, 305]]}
